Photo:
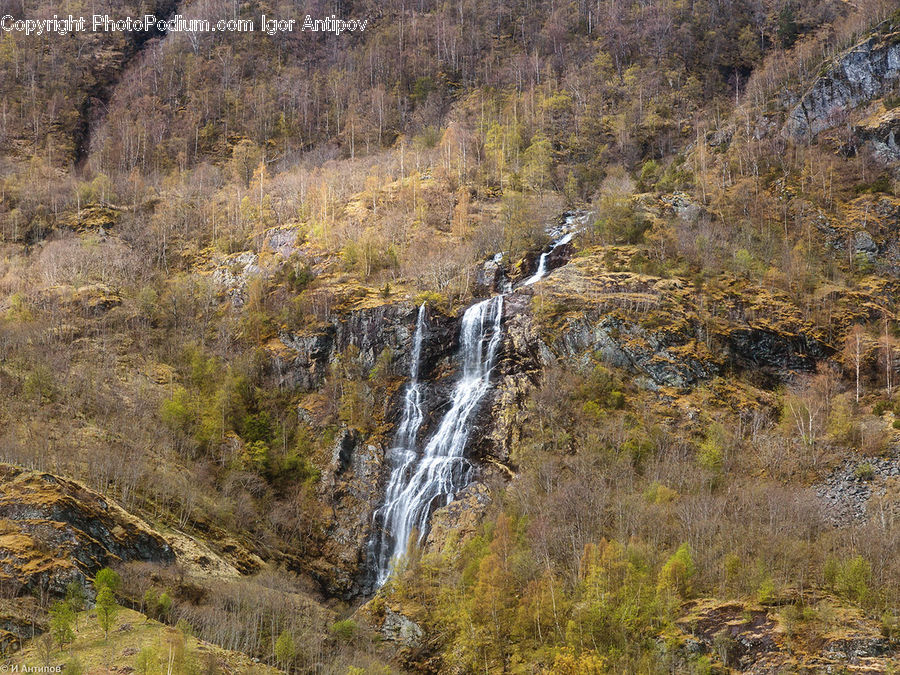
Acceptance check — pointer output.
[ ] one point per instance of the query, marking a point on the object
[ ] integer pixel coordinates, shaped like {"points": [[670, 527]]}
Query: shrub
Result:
{"points": [[73, 666], [75, 596], [881, 407], [62, 619], [285, 650], [864, 472], [765, 594], [658, 493], [257, 428], [732, 566], [430, 298], [890, 626], [344, 630], [676, 574], [853, 579], [178, 412], [711, 454]]}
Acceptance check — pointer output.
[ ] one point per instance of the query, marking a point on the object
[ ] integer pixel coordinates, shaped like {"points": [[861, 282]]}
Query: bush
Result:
{"points": [[178, 412], [712, 449], [675, 576], [881, 407], [853, 579], [890, 626], [62, 619], [257, 428], [73, 666], [431, 298], [765, 594], [732, 566], [864, 472], [344, 630]]}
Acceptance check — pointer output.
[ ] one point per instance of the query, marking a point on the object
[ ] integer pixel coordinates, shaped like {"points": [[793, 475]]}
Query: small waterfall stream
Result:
{"points": [[419, 484]]}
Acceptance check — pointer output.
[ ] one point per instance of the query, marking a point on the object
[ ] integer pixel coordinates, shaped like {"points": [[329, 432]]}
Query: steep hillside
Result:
{"points": [[512, 337]]}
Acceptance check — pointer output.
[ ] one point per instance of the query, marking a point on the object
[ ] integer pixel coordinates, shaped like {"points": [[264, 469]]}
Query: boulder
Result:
{"points": [[489, 275], [458, 521]]}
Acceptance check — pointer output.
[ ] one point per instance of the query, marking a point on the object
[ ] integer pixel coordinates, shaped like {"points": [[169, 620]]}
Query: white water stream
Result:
{"points": [[419, 484]]}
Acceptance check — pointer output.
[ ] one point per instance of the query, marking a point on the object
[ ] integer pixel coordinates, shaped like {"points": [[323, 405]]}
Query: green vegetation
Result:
{"points": [[143, 645], [211, 248]]}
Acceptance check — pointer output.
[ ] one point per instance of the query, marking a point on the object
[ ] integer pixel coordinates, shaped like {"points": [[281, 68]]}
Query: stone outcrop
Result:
{"points": [[754, 639], [353, 482], [865, 72], [234, 273], [766, 348], [400, 629], [459, 520], [651, 327], [603, 317], [860, 489], [867, 233], [54, 530], [882, 132], [352, 486], [301, 360], [489, 275]]}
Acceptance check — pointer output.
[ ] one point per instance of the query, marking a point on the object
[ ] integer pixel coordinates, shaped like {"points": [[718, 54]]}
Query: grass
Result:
{"points": [[133, 635]]}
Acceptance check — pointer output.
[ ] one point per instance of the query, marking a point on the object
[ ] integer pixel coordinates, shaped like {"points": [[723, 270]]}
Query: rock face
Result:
{"points": [[777, 351], [234, 273], [353, 483], [459, 520], [674, 356], [353, 488], [302, 360], [489, 275], [400, 629], [54, 530], [754, 639], [867, 232], [860, 489], [650, 326], [883, 133], [867, 71]]}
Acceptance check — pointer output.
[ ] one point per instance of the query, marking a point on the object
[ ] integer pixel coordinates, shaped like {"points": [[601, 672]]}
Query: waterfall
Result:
{"points": [[542, 263], [402, 454], [419, 484]]}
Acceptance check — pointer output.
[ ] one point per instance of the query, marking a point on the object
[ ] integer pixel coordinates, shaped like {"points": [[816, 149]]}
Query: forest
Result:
{"points": [[236, 275]]}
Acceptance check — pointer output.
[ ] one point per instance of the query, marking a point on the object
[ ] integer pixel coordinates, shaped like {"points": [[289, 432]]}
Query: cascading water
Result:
{"points": [[420, 484], [542, 263], [417, 486]]}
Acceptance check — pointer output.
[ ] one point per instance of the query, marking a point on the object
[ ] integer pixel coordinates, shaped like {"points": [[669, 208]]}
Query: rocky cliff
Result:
{"points": [[301, 359], [867, 71], [54, 531]]}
